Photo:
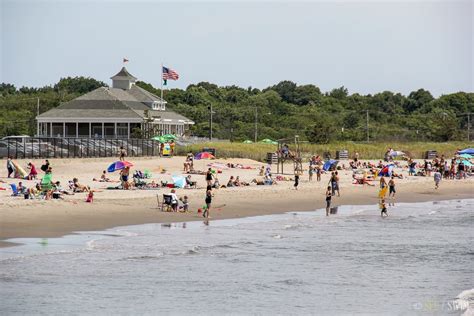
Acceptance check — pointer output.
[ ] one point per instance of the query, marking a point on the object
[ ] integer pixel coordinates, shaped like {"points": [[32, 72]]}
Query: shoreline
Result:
{"points": [[68, 218]]}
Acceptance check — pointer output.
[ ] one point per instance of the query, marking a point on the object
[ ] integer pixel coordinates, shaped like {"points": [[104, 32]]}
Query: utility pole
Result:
{"points": [[38, 106], [210, 122], [367, 125], [468, 126], [256, 123]]}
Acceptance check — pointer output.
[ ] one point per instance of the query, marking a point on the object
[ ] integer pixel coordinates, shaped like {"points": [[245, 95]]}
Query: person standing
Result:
{"points": [[208, 201], [122, 153], [335, 184], [209, 177], [310, 171], [297, 180], [45, 166], [329, 195], [318, 173], [391, 188], [10, 166], [437, 178]]}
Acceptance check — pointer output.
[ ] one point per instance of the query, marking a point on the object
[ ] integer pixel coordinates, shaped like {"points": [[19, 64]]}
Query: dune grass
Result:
{"points": [[365, 150]]}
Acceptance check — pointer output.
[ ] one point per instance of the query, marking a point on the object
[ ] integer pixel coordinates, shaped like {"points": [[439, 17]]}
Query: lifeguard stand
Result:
{"points": [[293, 155]]}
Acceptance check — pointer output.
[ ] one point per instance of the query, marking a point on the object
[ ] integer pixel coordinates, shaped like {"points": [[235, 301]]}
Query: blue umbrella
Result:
{"points": [[179, 181], [119, 165], [469, 151]]}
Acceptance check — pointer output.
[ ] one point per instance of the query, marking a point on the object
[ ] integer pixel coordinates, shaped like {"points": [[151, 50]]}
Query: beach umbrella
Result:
{"points": [[161, 139], [248, 141], [204, 155], [469, 151], [170, 137], [465, 156], [119, 165], [179, 181]]}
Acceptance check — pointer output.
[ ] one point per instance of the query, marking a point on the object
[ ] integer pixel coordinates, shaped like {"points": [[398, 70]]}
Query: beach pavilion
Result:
{"points": [[121, 111]]}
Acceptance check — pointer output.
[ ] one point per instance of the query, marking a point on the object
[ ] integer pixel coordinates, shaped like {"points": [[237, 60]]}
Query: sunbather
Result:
{"points": [[79, 187]]}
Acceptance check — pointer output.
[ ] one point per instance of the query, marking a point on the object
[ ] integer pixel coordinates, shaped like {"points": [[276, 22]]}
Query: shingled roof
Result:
{"points": [[123, 74], [106, 102]]}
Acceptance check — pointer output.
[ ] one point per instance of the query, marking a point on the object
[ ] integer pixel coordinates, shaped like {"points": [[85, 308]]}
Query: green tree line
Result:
{"points": [[282, 110]]}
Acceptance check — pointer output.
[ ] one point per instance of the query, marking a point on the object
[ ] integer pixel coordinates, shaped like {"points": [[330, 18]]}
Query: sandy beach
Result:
{"points": [[111, 208]]}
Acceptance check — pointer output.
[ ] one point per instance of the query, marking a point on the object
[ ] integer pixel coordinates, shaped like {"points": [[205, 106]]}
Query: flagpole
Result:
{"points": [[161, 82]]}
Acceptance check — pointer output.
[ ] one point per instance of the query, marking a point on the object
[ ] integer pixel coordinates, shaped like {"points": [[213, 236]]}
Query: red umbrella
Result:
{"points": [[119, 165], [204, 155]]}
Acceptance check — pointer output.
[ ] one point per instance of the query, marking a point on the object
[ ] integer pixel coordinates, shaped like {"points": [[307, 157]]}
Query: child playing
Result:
{"points": [[185, 202], [90, 197], [383, 208]]}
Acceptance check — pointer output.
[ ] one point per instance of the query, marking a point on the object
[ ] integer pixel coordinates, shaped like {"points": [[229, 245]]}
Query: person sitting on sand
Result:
{"points": [[103, 177], [33, 173], [79, 187], [269, 180], [261, 171], [231, 182], [185, 202], [216, 184], [190, 183]]}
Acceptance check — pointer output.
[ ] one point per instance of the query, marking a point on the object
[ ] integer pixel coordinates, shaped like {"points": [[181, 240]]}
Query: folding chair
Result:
{"points": [[166, 203], [14, 189]]}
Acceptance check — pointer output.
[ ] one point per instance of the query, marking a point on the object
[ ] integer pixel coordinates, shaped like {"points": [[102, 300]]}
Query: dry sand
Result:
{"points": [[111, 208]]}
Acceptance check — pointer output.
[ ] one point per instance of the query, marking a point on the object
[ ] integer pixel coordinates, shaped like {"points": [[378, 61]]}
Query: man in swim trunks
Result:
{"points": [[391, 188]]}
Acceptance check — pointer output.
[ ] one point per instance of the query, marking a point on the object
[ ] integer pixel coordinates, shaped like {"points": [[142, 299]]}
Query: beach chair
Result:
{"points": [[191, 184], [166, 203], [14, 189], [147, 174]]}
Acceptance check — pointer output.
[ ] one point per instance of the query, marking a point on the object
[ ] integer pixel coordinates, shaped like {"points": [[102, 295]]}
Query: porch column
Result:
{"points": [[128, 130], [51, 129], [90, 130], [103, 135], [64, 129], [37, 128], [77, 130], [115, 129]]}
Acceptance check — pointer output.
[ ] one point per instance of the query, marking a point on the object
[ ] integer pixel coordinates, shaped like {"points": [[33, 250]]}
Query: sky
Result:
{"points": [[368, 47]]}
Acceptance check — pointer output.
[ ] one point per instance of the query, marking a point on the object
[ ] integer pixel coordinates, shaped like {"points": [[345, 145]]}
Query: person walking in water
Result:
{"points": [[391, 188], [328, 199], [383, 208]]}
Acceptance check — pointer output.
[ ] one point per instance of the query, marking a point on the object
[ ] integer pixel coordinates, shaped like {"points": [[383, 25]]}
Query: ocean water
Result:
{"points": [[418, 261]]}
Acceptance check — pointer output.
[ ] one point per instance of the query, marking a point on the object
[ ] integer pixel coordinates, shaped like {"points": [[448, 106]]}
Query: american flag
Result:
{"points": [[169, 74]]}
